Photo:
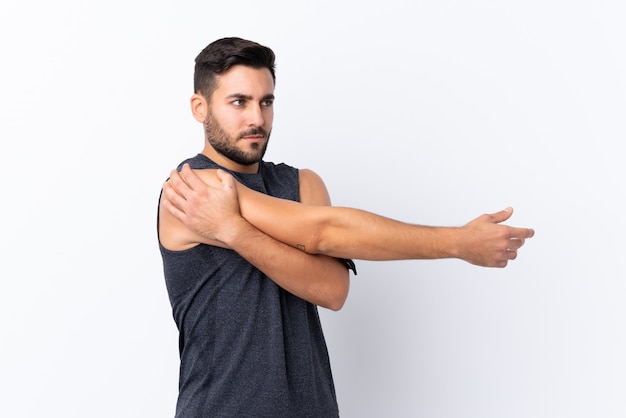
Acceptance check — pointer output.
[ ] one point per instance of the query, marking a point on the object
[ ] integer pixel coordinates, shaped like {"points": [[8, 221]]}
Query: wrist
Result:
{"points": [[232, 231], [455, 242]]}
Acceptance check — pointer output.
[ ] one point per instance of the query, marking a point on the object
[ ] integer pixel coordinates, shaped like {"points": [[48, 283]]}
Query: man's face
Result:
{"points": [[240, 115]]}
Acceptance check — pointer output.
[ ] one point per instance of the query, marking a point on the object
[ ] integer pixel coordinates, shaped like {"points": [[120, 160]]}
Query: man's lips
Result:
{"points": [[253, 138]]}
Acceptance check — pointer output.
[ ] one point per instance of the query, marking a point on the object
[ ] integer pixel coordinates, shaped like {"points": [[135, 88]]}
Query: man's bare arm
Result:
{"points": [[338, 231]]}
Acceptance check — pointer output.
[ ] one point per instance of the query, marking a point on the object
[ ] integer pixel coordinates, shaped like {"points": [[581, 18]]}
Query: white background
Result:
{"points": [[426, 111]]}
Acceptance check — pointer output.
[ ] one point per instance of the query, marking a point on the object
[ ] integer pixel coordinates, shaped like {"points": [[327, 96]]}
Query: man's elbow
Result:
{"points": [[339, 293], [337, 304]]}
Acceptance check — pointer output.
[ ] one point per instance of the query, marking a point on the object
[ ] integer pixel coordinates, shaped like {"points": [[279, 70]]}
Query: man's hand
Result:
{"points": [[487, 243], [210, 210]]}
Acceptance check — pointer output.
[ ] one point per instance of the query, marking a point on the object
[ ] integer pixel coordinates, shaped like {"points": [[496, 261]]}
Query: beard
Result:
{"points": [[227, 145]]}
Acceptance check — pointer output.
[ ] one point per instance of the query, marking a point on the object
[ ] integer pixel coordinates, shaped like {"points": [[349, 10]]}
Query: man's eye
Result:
{"points": [[267, 102], [238, 102]]}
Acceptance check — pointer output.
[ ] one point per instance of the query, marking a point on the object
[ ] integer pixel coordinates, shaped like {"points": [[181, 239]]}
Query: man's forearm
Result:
{"points": [[347, 232], [319, 279], [354, 233]]}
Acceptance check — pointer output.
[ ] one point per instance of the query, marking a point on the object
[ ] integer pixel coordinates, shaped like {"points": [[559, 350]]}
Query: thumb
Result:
{"points": [[502, 215], [226, 178]]}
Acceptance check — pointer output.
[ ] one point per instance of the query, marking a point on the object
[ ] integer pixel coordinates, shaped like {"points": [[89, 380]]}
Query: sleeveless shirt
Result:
{"points": [[248, 348]]}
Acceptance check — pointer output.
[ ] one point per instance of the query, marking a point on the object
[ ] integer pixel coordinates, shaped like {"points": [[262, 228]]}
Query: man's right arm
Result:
{"points": [[336, 231]]}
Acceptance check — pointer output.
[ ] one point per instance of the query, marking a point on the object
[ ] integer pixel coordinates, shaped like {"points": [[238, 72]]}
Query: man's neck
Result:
{"points": [[225, 162]]}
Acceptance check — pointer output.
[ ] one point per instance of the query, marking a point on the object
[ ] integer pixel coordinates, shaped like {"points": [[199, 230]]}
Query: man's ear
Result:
{"points": [[199, 107]]}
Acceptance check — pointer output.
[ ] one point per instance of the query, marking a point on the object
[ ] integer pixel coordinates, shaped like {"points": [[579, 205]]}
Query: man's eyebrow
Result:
{"points": [[242, 96], [239, 96]]}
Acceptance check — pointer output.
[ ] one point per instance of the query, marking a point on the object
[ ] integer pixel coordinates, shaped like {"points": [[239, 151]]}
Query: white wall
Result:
{"points": [[431, 112]]}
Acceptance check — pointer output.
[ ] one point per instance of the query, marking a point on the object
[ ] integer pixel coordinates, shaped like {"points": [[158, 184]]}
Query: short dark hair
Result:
{"points": [[222, 54]]}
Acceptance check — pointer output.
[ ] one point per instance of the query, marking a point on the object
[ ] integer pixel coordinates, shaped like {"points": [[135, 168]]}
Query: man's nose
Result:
{"points": [[255, 116]]}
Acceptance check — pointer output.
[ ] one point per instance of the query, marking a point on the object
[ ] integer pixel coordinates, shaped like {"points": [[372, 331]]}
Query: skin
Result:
{"points": [[294, 243]]}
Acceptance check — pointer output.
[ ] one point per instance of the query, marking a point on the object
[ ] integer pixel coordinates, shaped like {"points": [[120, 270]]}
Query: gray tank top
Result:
{"points": [[247, 347]]}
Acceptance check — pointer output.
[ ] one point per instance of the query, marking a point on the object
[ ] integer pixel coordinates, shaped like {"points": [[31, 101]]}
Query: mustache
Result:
{"points": [[254, 131]]}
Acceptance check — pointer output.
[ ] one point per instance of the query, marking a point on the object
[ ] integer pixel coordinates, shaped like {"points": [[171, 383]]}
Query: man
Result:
{"points": [[251, 248]]}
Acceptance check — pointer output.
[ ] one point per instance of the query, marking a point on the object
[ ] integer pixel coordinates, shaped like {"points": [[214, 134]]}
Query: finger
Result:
{"points": [[500, 263], [511, 254], [226, 178], [522, 233], [191, 178], [501, 216], [515, 244], [171, 205], [176, 191], [177, 182], [171, 197]]}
